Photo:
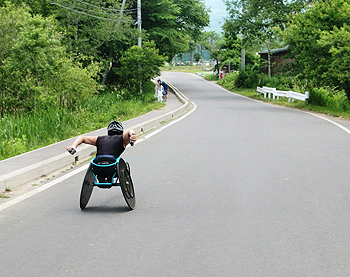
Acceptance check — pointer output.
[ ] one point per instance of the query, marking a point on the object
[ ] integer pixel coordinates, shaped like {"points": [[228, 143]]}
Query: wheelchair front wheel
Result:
{"points": [[86, 190], [126, 184]]}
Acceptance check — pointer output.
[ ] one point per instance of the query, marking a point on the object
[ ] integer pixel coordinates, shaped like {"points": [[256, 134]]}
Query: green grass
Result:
{"points": [[22, 133]]}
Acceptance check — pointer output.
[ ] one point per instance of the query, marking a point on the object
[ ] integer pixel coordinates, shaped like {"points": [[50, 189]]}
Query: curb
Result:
{"points": [[45, 167]]}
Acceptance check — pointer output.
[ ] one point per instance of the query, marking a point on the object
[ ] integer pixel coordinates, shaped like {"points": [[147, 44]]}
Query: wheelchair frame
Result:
{"points": [[103, 174]]}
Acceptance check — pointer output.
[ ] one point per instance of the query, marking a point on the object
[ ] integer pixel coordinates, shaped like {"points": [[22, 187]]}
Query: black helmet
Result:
{"points": [[115, 128]]}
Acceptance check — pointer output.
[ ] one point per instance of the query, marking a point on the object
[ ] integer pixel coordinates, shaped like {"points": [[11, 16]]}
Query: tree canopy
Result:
{"points": [[259, 21], [171, 24], [84, 43], [319, 39], [35, 69]]}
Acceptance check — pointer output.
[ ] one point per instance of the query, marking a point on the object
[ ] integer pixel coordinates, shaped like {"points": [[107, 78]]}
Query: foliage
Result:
{"points": [[247, 79], [259, 21], [240, 79], [231, 51], [319, 40], [172, 24], [34, 69], [102, 31], [229, 81], [329, 97], [140, 65]]}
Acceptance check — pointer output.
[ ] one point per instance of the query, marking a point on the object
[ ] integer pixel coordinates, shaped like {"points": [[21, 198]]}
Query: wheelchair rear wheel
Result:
{"points": [[126, 184], [86, 190]]}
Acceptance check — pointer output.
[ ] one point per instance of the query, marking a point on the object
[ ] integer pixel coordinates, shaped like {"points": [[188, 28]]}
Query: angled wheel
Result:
{"points": [[86, 189], [126, 184]]}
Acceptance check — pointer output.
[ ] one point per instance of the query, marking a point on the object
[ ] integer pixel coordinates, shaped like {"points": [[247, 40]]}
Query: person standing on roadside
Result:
{"points": [[165, 89]]}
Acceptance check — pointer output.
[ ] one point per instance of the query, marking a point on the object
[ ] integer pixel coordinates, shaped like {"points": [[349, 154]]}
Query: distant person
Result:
{"points": [[165, 89], [160, 94], [157, 88], [113, 144]]}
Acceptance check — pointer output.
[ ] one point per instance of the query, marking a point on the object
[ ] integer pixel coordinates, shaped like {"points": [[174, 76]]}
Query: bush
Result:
{"points": [[247, 79], [283, 82], [329, 97], [229, 81], [240, 79]]}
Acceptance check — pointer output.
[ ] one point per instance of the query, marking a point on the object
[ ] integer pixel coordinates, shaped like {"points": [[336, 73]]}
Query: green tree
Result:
{"points": [[97, 29], [32, 69], [172, 24], [259, 21], [232, 47], [319, 40], [140, 65], [214, 43]]}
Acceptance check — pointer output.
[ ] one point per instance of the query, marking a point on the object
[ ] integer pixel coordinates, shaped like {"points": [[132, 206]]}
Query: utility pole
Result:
{"points": [[243, 57], [139, 41], [243, 50]]}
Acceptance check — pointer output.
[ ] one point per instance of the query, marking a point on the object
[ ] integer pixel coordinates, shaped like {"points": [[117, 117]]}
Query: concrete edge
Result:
{"points": [[35, 171]]}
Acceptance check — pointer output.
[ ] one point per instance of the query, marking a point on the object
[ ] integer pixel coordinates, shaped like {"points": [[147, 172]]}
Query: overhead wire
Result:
{"points": [[116, 10], [87, 11]]}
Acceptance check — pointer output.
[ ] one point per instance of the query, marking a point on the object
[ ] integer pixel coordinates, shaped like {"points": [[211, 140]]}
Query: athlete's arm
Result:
{"points": [[83, 139], [127, 136]]}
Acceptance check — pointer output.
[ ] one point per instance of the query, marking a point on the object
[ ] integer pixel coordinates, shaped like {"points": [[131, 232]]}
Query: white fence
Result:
{"points": [[274, 93]]}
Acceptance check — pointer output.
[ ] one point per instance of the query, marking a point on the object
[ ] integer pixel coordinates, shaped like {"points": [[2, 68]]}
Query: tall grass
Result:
{"points": [[22, 133]]}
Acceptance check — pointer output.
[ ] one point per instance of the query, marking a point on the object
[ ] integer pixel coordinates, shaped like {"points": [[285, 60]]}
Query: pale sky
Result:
{"points": [[217, 15]]}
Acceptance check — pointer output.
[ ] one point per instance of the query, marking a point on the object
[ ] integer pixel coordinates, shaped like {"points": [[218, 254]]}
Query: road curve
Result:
{"points": [[237, 188]]}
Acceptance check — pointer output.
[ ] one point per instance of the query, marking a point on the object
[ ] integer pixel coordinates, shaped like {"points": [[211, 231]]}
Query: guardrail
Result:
{"points": [[273, 93]]}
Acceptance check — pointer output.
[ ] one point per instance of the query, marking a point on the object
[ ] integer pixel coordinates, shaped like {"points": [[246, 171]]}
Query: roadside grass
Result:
{"points": [[22, 133]]}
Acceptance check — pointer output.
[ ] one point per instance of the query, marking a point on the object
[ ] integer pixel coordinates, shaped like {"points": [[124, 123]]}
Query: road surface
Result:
{"points": [[236, 188]]}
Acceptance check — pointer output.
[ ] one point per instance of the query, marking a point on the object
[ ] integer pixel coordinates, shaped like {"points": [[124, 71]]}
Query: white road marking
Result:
{"points": [[42, 188], [321, 117], [331, 121], [172, 122], [76, 171]]}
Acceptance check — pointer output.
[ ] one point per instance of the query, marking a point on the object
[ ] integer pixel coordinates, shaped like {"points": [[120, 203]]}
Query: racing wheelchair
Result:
{"points": [[106, 171]]}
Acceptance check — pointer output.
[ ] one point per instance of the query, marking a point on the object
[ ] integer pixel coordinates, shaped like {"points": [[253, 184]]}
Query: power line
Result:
{"points": [[86, 10], [108, 9], [87, 14]]}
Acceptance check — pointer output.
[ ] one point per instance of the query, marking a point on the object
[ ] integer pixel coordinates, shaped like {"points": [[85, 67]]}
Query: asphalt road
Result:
{"points": [[236, 188]]}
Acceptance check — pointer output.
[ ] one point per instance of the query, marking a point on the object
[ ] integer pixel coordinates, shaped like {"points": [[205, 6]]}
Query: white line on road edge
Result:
{"points": [[172, 122], [44, 187], [331, 121], [76, 171], [324, 118]]}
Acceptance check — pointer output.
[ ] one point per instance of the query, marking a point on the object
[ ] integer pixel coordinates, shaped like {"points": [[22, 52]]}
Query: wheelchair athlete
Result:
{"points": [[113, 144]]}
